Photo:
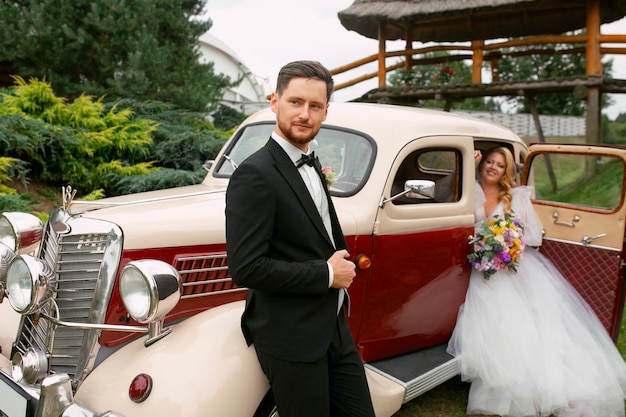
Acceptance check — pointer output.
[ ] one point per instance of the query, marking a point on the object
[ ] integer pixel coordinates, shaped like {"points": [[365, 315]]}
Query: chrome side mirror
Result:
{"points": [[420, 189], [417, 189], [208, 164]]}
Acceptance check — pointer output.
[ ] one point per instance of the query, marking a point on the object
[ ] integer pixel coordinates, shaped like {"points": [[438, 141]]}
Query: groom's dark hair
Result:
{"points": [[304, 69]]}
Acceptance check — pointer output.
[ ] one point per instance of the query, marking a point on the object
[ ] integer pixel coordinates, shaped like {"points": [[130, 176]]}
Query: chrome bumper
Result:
{"points": [[55, 399]]}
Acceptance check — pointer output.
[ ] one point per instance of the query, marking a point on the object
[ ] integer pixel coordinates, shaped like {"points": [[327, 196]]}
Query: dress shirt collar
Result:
{"points": [[294, 153]]}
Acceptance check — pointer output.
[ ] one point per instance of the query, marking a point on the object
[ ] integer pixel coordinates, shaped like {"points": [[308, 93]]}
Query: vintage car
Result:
{"points": [[125, 307]]}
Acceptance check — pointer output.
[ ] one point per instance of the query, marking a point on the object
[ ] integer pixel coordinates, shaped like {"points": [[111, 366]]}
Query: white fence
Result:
{"points": [[524, 126]]}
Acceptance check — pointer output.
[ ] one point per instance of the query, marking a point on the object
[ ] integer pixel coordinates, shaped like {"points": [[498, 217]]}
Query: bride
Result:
{"points": [[527, 341]]}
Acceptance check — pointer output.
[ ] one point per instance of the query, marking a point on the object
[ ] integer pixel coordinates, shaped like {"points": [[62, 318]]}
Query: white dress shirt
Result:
{"points": [[314, 184]]}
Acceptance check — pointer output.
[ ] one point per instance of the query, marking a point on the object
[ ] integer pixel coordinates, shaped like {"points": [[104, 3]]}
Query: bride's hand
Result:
{"points": [[477, 156]]}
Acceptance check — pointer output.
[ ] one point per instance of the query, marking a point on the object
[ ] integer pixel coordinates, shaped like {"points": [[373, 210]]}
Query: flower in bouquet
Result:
{"points": [[497, 246], [329, 176]]}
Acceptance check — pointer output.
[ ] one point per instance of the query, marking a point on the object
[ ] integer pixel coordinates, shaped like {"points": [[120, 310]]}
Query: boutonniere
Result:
{"points": [[329, 176]]}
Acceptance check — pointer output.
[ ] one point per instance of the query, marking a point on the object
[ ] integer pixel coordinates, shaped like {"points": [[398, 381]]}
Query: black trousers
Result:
{"points": [[334, 386]]}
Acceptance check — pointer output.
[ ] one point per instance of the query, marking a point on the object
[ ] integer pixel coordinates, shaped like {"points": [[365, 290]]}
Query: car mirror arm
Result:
{"points": [[384, 200], [232, 163]]}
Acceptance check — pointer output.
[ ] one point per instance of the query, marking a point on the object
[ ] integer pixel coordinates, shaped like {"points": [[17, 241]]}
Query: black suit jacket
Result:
{"points": [[277, 247]]}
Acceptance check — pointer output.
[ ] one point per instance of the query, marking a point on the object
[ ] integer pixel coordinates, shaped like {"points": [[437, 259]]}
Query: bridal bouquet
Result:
{"points": [[498, 245]]}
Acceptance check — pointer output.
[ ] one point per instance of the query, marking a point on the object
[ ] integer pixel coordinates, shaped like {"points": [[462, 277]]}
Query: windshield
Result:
{"points": [[348, 154]]}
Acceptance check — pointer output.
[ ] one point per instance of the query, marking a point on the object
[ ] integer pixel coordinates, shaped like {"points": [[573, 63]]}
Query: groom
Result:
{"points": [[285, 244]]}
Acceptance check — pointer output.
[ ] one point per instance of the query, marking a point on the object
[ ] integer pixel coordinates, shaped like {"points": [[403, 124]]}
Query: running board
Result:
{"points": [[420, 371]]}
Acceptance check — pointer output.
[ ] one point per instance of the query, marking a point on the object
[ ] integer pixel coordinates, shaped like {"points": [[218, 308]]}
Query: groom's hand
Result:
{"points": [[343, 269]]}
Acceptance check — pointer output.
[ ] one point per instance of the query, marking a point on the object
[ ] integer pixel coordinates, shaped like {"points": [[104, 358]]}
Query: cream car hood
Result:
{"points": [[183, 216]]}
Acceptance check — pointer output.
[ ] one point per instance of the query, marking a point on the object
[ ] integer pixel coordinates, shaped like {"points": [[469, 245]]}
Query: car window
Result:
{"points": [[438, 165], [348, 154], [249, 140], [584, 180]]}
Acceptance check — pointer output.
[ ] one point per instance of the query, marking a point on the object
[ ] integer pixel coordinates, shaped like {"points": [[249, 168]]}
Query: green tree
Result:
{"points": [[141, 49], [101, 149], [183, 140], [226, 117], [441, 74], [79, 143], [550, 62]]}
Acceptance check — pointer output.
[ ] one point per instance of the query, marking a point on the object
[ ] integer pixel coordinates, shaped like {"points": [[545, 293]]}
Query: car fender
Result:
{"points": [[202, 368], [9, 327]]}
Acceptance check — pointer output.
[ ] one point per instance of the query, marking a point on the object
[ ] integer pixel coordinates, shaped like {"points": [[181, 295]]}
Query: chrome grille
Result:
{"points": [[81, 259], [36, 333], [78, 266], [205, 275]]}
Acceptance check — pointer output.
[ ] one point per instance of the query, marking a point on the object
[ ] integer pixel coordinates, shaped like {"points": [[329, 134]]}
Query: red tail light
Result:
{"points": [[140, 388]]}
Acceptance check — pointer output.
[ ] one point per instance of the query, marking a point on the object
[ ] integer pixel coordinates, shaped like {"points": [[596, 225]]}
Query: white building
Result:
{"points": [[251, 94]]}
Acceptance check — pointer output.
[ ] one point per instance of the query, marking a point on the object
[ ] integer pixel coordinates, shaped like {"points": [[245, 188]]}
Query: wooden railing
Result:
{"points": [[479, 52]]}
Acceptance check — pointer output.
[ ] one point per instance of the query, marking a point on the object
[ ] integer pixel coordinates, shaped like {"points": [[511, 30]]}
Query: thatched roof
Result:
{"points": [[463, 20]]}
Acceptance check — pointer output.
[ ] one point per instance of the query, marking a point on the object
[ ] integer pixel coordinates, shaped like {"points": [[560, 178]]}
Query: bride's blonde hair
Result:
{"points": [[508, 179]]}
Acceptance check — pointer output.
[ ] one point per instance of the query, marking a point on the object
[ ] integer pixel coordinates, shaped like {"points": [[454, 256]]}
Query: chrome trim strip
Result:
{"points": [[147, 200], [211, 281], [433, 378], [206, 294], [95, 326], [581, 244], [201, 257], [193, 271], [425, 382]]}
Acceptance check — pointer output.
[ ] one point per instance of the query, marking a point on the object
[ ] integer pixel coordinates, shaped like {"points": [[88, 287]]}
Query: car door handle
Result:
{"points": [[555, 216], [587, 240]]}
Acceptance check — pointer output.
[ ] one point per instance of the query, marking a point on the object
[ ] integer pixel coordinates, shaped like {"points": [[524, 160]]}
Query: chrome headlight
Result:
{"points": [[20, 232], [6, 256], [30, 366], [150, 289], [30, 284]]}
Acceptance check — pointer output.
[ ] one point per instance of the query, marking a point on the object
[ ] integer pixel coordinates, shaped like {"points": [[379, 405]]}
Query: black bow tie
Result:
{"points": [[307, 159]]}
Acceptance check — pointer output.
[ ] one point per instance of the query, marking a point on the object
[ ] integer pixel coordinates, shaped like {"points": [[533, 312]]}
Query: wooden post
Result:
{"points": [[382, 45], [533, 110], [594, 116], [594, 58], [495, 70], [477, 61], [408, 58], [594, 68]]}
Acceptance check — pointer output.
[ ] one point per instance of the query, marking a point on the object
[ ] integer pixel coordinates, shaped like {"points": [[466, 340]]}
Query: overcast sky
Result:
{"points": [[266, 34]]}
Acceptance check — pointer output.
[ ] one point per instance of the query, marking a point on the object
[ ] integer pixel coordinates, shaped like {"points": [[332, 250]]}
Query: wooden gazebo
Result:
{"points": [[486, 27]]}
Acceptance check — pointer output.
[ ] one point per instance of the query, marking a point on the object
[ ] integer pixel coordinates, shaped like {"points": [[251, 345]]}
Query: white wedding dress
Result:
{"points": [[528, 342]]}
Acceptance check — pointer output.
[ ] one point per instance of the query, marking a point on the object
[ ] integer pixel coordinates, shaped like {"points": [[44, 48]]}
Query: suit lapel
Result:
{"points": [[290, 173], [340, 242]]}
